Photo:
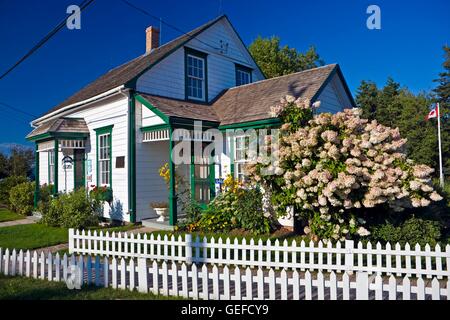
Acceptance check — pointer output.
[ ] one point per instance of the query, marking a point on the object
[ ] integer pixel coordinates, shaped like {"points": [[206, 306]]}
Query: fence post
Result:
{"points": [[71, 242], [362, 286], [142, 275], [349, 246], [188, 241]]}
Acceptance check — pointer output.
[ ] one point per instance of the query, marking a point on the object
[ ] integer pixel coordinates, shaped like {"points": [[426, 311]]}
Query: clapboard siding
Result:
{"points": [[333, 98], [113, 112], [150, 156], [149, 118], [43, 168], [167, 77]]}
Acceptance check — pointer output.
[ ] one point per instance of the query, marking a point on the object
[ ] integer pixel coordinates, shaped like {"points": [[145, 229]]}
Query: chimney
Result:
{"points": [[152, 38]]}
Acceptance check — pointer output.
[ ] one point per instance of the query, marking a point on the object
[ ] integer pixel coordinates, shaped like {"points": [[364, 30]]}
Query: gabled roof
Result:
{"points": [[251, 102], [132, 69], [181, 108], [61, 125]]}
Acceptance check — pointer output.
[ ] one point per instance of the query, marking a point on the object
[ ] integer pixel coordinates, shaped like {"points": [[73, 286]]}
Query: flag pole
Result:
{"points": [[441, 174]]}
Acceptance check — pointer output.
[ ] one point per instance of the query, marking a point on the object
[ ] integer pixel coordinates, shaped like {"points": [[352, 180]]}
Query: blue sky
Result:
{"points": [[408, 47]]}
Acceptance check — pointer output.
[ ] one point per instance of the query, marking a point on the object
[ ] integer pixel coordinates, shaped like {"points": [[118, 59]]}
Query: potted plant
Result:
{"points": [[162, 209], [103, 193]]}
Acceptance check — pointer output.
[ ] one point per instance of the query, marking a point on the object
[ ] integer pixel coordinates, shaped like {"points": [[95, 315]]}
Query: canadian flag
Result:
{"points": [[434, 113]]}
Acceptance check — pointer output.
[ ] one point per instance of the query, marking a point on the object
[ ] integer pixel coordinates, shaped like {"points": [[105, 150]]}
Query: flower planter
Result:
{"points": [[106, 195], [163, 213]]}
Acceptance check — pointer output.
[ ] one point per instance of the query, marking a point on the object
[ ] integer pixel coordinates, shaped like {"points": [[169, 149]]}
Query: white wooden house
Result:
{"points": [[118, 130]]}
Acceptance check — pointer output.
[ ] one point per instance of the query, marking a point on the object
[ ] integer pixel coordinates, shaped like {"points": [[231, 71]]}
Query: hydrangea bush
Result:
{"points": [[330, 167]]}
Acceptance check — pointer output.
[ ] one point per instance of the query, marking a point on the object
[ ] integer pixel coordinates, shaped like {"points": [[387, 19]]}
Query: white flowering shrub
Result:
{"points": [[332, 166]]}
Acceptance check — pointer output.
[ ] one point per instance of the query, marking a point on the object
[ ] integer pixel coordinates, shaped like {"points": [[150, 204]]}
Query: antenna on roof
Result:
{"points": [[220, 8], [160, 31]]}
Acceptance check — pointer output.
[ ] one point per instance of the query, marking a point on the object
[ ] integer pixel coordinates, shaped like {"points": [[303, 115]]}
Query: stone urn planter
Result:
{"points": [[162, 210]]}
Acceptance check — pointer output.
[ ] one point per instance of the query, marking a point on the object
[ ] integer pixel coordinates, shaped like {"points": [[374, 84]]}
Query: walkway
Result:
{"points": [[28, 220]]}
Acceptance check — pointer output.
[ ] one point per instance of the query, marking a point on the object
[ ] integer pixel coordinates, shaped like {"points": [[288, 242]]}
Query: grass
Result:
{"points": [[31, 236], [8, 215], [20, 288]]}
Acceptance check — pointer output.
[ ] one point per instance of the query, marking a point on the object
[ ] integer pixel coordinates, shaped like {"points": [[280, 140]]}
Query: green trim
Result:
{"points": [[60, 135], [36, 177], [132, 158], [258, 124], [132, 83], [201, 55], [243, 44], [83, 172], [177, 122], [172, 196], [155, 128], [103, 130], [212, 179], [55, 183], [232, 155], [240, 67], [151, 107], [99, 132]]}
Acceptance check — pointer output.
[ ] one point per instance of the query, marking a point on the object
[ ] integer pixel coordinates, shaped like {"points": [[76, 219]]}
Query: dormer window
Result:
{"points": [[243, 75], [196, 82]]}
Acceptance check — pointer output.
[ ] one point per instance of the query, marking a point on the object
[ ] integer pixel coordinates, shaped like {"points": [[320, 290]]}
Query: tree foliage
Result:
{"points": [[19, 162], [275, 60]]}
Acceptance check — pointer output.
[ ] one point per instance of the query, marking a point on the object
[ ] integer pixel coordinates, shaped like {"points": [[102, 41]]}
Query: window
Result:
{"points": [[241, 156], [196, 75], [104, 156], [51, 167], [243, 75]]}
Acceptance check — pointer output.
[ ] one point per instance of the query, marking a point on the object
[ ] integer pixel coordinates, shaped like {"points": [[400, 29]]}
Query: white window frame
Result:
{"points": [[240, 162], [104, 163], [239, 73], [202, 78]]}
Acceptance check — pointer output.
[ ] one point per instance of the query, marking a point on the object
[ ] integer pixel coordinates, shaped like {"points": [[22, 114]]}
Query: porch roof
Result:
{"points": [[65, 126], [181, 108]]}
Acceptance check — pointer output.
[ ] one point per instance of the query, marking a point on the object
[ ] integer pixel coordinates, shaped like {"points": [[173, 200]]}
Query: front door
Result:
{"points": [[78, 168], [202, 182]]}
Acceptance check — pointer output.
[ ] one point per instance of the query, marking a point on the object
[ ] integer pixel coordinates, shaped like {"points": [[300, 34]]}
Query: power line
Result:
{"points": [[167, 24], [55, 30], [18, 110]]}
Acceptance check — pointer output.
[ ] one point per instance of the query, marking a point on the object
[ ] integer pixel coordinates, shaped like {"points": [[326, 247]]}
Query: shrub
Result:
{"points": [[21, 198], [330, 165], [413, 230], [72, 210], [235, 207], [6, 185]]}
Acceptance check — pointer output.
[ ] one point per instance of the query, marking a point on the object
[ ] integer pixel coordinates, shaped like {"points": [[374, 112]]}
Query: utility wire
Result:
{"points": [[17, 110], [167, 24], [55, 30]]}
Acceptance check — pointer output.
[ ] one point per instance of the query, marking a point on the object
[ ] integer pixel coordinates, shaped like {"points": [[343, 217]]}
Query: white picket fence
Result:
{"points": [[190, 281], [339, 257]]}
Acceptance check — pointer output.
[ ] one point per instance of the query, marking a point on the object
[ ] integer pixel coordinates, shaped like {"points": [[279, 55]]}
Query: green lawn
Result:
{"points": [[31, 236], [20, 288], [7, 215]]}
